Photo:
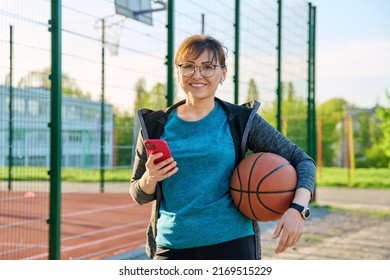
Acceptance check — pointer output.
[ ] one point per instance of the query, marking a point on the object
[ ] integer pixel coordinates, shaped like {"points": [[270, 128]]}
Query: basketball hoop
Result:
{"points": [[113, 37], [140, 10], [112, 33]]}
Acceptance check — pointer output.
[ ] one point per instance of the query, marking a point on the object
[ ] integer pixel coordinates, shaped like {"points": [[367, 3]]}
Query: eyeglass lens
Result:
{"points": [[188, 70]]}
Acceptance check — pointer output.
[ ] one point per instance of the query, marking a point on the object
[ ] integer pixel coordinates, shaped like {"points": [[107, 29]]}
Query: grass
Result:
{"points": [[327, 176], [67, 174], [357, 211], [362, 177]]}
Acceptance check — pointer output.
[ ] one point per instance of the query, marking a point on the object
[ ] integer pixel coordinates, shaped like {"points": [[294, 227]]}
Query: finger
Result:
{"points": [[278, 230], [155, 156], [164, 163], [152, 158], [296, 238], [171, 172], [288, 240], [283, 244], [167, 169], [168, 174]]}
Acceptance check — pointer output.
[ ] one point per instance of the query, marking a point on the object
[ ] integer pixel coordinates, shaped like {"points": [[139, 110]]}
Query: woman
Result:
{"points": [[193, 215]]}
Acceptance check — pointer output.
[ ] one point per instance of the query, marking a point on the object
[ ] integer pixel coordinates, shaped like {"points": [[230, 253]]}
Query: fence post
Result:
{"points": [[310, 94], [202, 24], [314, 118], [279, 69], [11, 115], [102, 118], [237, 52], [311, 118], [55, 26]]}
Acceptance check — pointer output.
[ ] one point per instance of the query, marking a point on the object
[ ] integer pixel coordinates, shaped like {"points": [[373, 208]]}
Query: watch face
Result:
{"points": [[306, 213]]}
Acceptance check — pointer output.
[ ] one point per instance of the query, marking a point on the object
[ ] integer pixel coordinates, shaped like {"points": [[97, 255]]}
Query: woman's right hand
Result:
{"points": [[156, 172]]}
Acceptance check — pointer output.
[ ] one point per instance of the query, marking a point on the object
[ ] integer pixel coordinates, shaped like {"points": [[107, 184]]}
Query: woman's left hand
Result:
{"points": [[290, 229]]}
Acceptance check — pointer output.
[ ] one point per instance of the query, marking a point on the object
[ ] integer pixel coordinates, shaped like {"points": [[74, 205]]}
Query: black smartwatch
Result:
{"points": [[305, 211]]}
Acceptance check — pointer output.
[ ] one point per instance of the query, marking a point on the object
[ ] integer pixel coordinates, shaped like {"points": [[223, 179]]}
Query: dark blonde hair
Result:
{"points": [[193, 46]]}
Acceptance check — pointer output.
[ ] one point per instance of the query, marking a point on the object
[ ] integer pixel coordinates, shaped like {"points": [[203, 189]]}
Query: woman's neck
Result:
{"points": [[194, 110]]}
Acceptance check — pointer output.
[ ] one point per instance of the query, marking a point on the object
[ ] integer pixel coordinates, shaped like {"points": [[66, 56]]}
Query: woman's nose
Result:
{"points": [[197, 73]]}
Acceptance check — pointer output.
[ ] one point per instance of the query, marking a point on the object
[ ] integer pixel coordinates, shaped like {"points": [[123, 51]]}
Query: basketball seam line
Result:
{"points": [[258, 186], [248, 187]]}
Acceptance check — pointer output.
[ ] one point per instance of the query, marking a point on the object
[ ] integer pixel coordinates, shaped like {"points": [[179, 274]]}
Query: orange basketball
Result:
{"points": [[263, 186]]}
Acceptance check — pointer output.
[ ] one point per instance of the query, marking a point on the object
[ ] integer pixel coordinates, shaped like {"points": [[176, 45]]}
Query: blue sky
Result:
{"points": [[353, 50], [353, 47]]}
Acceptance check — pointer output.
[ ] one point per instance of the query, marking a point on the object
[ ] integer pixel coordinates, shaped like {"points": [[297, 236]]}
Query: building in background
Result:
{"points": [[31, 133]]}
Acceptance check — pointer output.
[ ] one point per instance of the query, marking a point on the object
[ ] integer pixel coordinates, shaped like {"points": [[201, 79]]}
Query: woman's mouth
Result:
{"points": [[197, 85]]}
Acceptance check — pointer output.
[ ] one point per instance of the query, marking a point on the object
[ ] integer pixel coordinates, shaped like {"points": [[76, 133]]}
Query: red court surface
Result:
{"points": [[94, 225]]}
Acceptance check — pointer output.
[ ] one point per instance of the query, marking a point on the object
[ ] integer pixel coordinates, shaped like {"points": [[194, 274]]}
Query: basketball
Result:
{"points": [[263, 186]]}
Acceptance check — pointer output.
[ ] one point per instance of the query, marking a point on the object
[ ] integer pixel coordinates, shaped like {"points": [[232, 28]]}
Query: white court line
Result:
{"points": [[23, 223], [102, 230], [97, 210], [69, 215], [23, 248], [74, 247], [43, 245], [110, 249], [22, 197], [71, 248], [9, 244]]}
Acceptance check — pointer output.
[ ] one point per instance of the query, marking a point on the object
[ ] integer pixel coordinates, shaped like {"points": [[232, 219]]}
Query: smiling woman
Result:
{"points": [[207, 55], [194, 216]]}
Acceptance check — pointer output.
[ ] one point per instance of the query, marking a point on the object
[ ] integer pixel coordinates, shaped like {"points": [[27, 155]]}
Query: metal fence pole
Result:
{"points": [[55, 24], [311, 120], [170, 52], [314, 119], [202, 24], [237, 52], [102, 119], [11, 115], [279, 70], [309, 82]]}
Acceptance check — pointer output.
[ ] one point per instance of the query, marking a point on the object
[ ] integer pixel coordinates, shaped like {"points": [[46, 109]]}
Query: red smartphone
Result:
{"points": [[154, 146]]}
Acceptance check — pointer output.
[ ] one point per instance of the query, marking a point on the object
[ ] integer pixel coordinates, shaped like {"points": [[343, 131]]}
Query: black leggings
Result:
{"points": [[237, 249]]}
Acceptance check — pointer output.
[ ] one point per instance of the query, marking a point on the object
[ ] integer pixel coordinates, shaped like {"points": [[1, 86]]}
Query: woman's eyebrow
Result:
{"points": [[204, 62]]}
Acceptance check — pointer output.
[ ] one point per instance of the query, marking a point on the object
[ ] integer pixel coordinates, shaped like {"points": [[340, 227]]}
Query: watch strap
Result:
{"points": [[297, 207]]}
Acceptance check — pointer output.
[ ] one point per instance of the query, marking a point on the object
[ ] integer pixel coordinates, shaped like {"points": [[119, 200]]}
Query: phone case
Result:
{"points": [[154, 146]]}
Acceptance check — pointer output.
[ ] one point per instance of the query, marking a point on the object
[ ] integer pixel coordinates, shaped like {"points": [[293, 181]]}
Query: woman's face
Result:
{"points": [[197, 86]]}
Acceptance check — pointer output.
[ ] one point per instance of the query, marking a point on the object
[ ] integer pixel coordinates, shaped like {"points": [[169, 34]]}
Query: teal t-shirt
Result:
{"points": [[196, 207]]}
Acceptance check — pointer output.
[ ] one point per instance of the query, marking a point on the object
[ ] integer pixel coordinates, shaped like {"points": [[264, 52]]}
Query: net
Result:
{"points": [[112, 33], [113, 36]]}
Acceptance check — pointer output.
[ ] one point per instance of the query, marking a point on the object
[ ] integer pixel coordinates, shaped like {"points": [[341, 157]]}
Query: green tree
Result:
{"points": [[331, 113], [383, 114], [367, 135], [41, 79], [294, 116], [123, 138], [253, 92], [157, 97], [154, 100], [141, 96]]}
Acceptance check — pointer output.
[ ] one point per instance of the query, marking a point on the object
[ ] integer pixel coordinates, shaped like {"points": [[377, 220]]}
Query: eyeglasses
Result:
{"points": [[187, 69]]}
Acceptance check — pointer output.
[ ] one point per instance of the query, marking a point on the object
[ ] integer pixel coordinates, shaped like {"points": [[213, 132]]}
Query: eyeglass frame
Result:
{"points": [[200, 69]]}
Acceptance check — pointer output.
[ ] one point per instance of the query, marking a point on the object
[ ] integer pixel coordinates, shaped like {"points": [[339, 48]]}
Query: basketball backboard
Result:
{"points": [[140, 10]]}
